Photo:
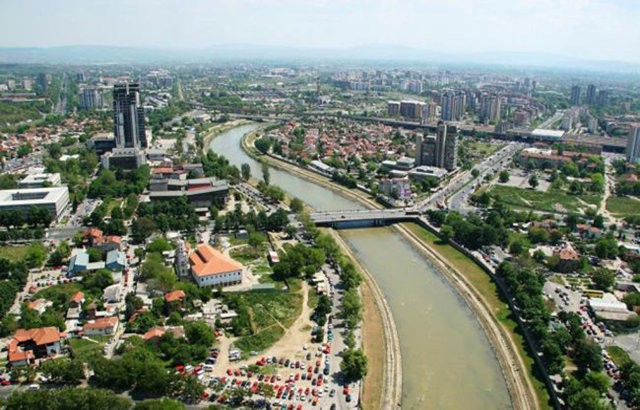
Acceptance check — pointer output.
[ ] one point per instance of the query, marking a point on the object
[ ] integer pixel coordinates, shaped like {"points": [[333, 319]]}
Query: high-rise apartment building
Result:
{"points": [[440, 150], [633, 144], [128, 116], [393, 108], [90, 98], [453, 106], [490, 109], [603, 98], [591, 95], [575, 95]]}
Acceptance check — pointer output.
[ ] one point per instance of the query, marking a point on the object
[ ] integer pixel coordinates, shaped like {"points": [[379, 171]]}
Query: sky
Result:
{"points": [[590, 29]]}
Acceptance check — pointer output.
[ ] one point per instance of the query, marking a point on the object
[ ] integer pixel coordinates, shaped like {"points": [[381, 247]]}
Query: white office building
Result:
{"points": [[55, 200]]}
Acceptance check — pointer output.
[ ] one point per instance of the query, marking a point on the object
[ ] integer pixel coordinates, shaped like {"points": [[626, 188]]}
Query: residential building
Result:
{"points": [[591, 95], [28, 345], [633, 144], [438, 151], [55, 200], [411, 109], [175, 296], [453, 105], [90, 98], [393, 108], [115, 260], [490, 109], [575, 95], [154, 334], [209, 267], [39, 305], [104, 326]]}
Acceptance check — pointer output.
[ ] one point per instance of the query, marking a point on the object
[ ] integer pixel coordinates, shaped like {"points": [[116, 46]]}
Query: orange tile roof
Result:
{"points": [[173, 296], [569, 255], [164, 170], [95, 232], [40, 336], [102, 323], [207, 261], [78, 297], [114, 239], [156, 331]]}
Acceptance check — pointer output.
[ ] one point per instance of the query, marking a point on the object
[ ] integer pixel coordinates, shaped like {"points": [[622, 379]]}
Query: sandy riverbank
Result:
{"points": [[513, 368]]}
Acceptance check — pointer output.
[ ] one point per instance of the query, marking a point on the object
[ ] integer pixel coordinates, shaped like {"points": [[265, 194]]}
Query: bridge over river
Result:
{"points": [[363, 217]]}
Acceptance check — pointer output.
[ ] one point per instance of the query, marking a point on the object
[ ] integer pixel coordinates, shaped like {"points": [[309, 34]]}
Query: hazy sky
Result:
{"points": [[594, 29]]}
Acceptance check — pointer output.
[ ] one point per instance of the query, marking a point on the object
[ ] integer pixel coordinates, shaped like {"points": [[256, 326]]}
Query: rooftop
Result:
{"points": [[206, 261]]}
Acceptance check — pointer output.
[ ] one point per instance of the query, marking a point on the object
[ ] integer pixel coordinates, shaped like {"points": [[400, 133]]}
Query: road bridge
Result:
{"points": [[363, 217]]}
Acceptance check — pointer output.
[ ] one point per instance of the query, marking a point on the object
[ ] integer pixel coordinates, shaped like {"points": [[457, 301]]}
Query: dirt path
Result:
{"points": [[289, 345]]}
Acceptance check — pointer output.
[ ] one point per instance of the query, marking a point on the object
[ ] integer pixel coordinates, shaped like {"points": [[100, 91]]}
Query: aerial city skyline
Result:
{"points": [[335, 205]]}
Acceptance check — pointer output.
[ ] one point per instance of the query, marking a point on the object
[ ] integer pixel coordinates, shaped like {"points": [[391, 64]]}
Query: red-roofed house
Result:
{"points": [[175, 296], [77, 300], [93, 237], [209, 267], [28, 345], [103, 326], [156, 332]]}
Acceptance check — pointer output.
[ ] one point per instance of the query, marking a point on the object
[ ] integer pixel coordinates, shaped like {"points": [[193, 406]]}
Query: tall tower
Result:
{"points": [[128, 117], [591, 94], [575, 95], [633, 144]]}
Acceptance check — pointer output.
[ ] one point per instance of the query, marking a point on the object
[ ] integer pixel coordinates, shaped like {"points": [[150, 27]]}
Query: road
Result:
{"points": [[549, 121], [460, 187]]}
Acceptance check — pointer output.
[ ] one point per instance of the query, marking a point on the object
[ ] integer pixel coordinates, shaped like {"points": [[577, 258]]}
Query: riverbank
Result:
{"points": [[502, 339], [216, 129], [382, 387]]}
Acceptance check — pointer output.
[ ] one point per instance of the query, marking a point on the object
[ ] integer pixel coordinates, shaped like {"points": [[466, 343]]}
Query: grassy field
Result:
{"points": [[485, 285], [483, 149], [623, 206], [618, 355], [13, 253], [247, 254], [86, 349], [51, 293], [264, 317], [113, 203], [551, 201]]}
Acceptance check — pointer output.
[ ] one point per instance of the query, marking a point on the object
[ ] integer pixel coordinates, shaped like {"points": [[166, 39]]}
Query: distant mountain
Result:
{"points": [[242, 52]]}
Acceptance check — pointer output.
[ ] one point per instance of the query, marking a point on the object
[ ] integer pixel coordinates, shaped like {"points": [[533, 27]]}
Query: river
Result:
{"points": [[447, 362]]}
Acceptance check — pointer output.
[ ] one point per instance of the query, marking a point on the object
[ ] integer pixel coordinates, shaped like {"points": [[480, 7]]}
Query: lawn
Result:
{"points": [[550, 201], [483, 149], [113, 203], [247, 254], [86, 349], [263, 317], [52, 292], [618, 355], [483, 283], [623, 205], [13, 253]]}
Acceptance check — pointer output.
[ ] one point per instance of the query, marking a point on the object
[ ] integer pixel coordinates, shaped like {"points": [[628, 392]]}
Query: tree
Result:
{"points": [[199, 333], [475, 172], [603, 279], [63, 371], [95, 254], [296, 205], [159, 404], [266, 176], [245, 171], [587, 399], [354, 364], [600, 382], [504, 176], [607, 247], [67, 398], [533, 181], [142, 228]]}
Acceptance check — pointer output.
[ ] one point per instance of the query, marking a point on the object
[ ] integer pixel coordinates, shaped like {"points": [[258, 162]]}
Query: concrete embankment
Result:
{"points": [[390, 388]]}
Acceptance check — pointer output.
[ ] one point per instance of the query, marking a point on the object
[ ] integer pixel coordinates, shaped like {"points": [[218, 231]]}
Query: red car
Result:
{"points": [[229, 372], [297, 376], [345, 390]]}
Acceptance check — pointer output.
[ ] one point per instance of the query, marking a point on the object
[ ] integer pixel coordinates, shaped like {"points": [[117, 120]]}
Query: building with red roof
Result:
{"points": [[28, 345], [209, 267]]}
